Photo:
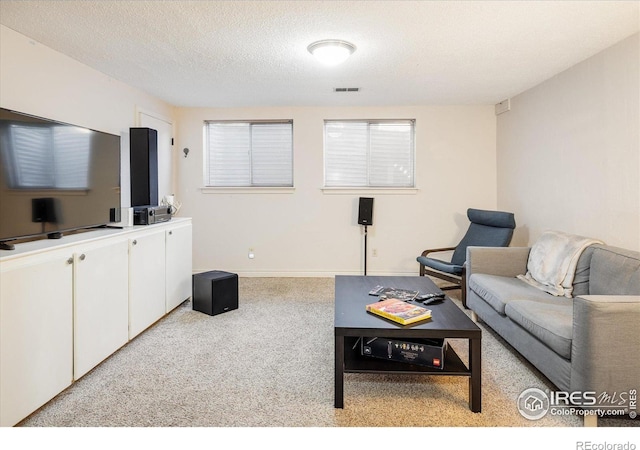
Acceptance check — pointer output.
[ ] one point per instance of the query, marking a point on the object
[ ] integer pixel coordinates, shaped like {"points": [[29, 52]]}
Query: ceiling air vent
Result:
{"points": [[346, 89], [503, 106]]}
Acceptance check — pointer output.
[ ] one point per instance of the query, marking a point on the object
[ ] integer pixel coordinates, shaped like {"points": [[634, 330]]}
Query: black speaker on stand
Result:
{"points": [[365, 218], [143, 159]]}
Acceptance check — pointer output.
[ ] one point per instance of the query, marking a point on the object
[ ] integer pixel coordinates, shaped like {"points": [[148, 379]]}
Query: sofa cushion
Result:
{"points": [[583, 269], [551, 323], [497, 291], [614, 271]]}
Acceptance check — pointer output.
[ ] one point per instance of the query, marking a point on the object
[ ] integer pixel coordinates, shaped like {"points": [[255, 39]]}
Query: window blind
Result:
{"points": [[245, 154], [369, 153]]}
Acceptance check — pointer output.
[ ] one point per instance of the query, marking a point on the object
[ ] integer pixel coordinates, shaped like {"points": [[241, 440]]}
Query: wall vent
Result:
{"points": [[503, 106], [346, 89]]}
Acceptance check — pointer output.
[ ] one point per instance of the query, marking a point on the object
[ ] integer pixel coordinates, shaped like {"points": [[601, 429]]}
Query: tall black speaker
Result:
{"points": [[143, 158], [365, 211]]}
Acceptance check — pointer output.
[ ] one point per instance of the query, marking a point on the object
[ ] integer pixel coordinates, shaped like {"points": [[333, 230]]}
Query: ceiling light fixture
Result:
{"points": [[331, 51]]}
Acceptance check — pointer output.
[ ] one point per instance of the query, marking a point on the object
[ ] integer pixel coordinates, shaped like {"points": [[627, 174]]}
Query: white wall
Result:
{"points": [[37, 80], [313, 233], [304, 232], [569, 153]]}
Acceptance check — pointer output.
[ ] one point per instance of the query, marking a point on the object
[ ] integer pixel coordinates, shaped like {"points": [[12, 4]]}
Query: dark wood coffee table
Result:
{"points": [[352, 322]]}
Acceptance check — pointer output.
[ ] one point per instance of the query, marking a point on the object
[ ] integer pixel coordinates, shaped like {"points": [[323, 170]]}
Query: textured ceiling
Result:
{"points": [[253, 53]]}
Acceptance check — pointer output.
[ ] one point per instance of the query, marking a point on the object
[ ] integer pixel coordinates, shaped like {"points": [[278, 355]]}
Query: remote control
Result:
{"points": [[377, 290], [432, 300]]}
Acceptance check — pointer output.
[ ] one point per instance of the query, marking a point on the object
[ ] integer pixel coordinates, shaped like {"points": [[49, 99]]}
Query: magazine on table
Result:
{"points": [[391, 292]]}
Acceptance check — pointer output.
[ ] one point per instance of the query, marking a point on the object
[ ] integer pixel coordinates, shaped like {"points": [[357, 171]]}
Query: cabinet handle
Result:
{"points": [[82, 257], [70, 260], [170, 232], [135, 242]]}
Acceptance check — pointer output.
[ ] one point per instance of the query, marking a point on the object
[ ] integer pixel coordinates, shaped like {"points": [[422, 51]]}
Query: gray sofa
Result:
{"points": [[586, 343]]}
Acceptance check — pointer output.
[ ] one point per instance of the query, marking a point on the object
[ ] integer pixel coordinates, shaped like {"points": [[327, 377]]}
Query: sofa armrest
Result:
{"points": [[605, 343], [502, 261]]}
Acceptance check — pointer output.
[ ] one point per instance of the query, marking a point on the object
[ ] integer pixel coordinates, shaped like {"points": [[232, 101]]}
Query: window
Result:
{"points": [[369, 153], [246, 154]]}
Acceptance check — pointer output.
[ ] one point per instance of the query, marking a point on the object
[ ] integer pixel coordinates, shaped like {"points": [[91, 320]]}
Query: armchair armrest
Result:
{"points": [[436, 250], [605, 343], [502, 261], [428, 251]]}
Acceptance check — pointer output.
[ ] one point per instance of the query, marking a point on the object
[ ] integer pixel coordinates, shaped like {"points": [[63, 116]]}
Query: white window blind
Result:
{"points": [[369, 153], [245, 154]]}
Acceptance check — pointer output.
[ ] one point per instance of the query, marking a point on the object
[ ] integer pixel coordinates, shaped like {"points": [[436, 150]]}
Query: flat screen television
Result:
{"points": [[54, 177]]}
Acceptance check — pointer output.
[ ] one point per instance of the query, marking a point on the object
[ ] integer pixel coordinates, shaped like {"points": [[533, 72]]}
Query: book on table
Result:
{"points": [[399, 311]]}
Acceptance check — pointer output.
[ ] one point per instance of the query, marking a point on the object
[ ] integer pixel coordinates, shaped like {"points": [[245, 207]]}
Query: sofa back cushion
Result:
{"points": [[614, 271], [583, 269]]}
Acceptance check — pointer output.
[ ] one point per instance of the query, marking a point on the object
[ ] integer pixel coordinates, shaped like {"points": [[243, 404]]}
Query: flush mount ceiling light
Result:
{"points": [[331, 51]]}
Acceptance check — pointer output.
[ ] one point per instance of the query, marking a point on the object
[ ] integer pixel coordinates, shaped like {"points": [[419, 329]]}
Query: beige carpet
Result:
{"points": [[270, 364]]}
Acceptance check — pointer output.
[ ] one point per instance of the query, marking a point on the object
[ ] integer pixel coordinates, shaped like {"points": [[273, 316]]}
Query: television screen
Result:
{"points": [[54, 177]]}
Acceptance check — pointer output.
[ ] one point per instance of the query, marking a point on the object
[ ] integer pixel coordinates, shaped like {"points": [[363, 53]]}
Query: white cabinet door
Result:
{"points": [[101, 304], [179, 263], [146, 280], [36, 332]]}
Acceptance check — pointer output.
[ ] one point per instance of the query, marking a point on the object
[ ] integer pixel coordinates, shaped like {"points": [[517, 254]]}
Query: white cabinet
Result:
{"points": [[147, 269], [101, 303], [66, 305], [36, 332], [179, 265]]}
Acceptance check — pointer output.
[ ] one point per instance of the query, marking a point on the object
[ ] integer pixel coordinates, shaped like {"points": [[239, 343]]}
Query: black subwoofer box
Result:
{"points": [[215, 292]]}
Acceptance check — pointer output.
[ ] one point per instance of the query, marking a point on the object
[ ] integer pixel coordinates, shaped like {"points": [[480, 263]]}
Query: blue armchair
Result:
{"points": [[487, 229]]}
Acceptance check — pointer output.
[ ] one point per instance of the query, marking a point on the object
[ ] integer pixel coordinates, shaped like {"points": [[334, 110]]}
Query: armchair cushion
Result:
{"points": [[487, 229], [498, 219]]}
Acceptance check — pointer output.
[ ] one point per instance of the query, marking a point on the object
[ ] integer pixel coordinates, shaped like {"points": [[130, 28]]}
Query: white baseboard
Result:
{"points": [[289, 274]]}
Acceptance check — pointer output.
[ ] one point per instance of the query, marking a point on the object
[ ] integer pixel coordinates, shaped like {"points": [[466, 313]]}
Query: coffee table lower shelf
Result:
{"points": [[354, 362], [350, 360]]}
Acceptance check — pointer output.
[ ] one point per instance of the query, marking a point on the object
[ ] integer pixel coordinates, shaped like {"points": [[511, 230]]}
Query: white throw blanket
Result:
{"points": [[552, 262]]}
